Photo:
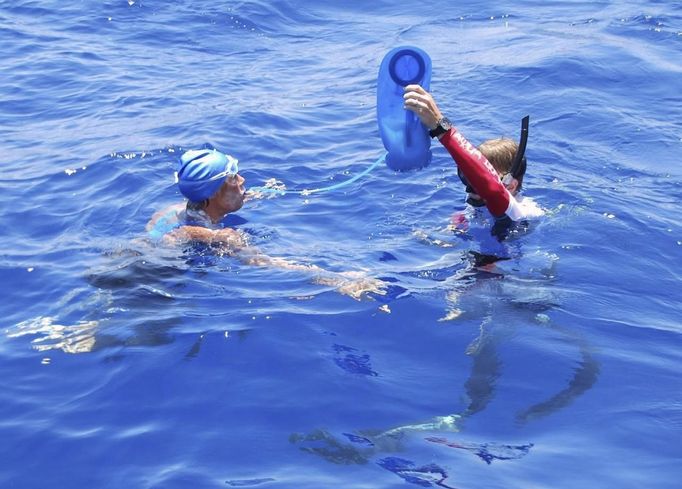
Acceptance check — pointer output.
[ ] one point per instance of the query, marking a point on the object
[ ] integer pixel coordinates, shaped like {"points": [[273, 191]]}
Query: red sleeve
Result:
{"points": [[478, 171]]}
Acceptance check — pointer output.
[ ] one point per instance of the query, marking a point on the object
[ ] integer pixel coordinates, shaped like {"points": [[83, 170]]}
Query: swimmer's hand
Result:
{"points": [[421, 102], [353, 284]]}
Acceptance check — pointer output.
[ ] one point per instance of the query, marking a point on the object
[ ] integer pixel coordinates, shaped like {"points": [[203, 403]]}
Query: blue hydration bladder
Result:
{"points": [[405, 138]]}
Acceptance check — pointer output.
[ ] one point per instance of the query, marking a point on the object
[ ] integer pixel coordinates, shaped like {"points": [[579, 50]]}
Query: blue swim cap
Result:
{"points": [[203, 171]]}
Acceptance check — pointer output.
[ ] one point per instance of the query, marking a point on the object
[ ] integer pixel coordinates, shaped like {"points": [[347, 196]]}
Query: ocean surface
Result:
{"points": [[130, 365]]}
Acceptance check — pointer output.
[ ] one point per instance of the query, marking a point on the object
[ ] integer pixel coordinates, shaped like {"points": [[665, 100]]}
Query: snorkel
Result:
{"points": [[517, 171]]}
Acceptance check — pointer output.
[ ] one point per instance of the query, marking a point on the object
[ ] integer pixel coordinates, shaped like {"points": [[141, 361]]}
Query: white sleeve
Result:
{"points": [[523, 208]]}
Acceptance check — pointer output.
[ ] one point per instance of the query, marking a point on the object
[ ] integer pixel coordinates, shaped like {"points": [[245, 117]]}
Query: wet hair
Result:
{"points": [[197, 206], [500, 153]]}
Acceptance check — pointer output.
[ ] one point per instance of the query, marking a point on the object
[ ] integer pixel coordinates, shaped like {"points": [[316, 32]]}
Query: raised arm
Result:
{"points": [[479, 172], [475, 168]]}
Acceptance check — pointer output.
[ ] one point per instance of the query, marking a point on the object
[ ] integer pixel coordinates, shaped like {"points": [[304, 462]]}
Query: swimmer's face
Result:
{"points": [[231, 194]]}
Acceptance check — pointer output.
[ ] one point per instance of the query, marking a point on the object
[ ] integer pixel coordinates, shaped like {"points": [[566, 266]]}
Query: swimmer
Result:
{"points": [[211, 182], [213, 187], [493, 173]]}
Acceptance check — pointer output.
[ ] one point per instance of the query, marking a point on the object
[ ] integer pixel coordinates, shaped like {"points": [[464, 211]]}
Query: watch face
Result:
{"points": [[443, 126]]}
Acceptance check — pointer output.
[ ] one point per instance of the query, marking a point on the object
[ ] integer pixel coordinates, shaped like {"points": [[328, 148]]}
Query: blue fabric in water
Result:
{"points": [[164, 225]]}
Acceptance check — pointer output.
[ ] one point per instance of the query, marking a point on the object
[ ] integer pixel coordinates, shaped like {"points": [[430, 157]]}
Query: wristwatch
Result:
{"points": [[443, 126]]}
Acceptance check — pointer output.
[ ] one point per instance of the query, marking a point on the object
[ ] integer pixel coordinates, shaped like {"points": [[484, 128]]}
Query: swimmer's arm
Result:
{"points": [[231, 241], [230, 238], [353, 284], [474, 166], [252, 256], [479, 172]]}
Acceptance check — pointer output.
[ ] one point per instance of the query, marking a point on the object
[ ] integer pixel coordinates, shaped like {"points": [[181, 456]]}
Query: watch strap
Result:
{"points": [[444, 125]]}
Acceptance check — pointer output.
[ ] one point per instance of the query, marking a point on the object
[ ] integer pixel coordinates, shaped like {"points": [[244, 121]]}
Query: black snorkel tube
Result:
{"points": [[518, 168]]}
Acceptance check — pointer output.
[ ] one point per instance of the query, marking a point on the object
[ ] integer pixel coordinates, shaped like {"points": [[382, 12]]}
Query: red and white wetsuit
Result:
{"points": [[482, 177]]}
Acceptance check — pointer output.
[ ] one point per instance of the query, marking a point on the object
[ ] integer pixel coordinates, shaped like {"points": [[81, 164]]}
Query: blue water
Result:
{"points": [[129, 365]]}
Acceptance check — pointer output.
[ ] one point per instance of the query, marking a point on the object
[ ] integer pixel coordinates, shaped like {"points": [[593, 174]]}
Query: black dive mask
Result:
{"points": [[518, 169]]}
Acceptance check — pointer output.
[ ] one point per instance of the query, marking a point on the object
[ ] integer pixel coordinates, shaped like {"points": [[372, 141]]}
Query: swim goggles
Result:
{"points": [[231, 169]]}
